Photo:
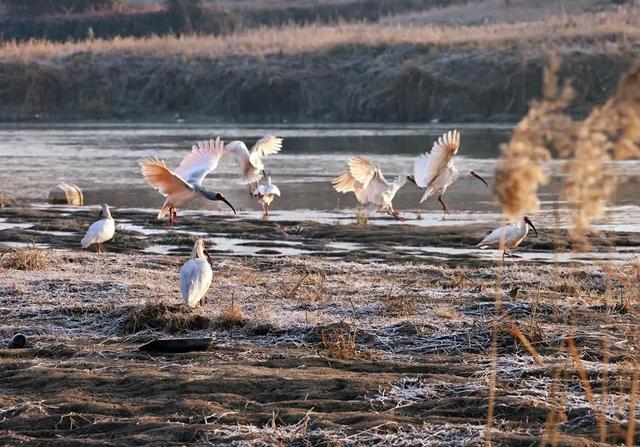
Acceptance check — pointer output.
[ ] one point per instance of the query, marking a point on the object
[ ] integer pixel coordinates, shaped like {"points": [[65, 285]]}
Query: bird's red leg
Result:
{"points": [[172, 216], [445, 208]]}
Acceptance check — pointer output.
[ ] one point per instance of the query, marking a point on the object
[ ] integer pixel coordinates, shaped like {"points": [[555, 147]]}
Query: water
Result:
{"points": [[102, 160]]}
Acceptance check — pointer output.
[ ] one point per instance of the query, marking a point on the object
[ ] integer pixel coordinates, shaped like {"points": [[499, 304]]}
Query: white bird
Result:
{"points": [[251, 165], [435, 170], [265, 194], [100, 231], [185, 183], [196, 275], [365, 179], [508, 236]]}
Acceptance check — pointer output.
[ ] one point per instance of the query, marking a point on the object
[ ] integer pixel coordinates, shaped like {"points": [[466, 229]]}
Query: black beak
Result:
{"points": [[230, 206], [479, 178], [206, 253], [532, 227], [412, 179]]}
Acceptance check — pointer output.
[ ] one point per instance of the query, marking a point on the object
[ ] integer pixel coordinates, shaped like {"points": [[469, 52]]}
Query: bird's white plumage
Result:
{"points": [[251, 164], [204, 158], [195, 276], [178, 186], [195, 280], [366, 180], [101, 230], [505, 237], [435, 170]]}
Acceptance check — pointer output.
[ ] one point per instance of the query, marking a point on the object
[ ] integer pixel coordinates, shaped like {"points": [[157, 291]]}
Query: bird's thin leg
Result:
{"points": [[445, 208], [250, 190], [504, 252], [172, 216], [97, 248], [265, 211]]}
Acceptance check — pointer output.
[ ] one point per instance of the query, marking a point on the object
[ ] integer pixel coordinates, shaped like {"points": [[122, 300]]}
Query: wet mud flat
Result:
{"points": [[138, 231], [314, 349]]}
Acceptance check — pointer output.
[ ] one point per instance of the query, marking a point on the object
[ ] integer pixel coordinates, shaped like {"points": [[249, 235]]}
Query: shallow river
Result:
{"points": [[102, 160]]}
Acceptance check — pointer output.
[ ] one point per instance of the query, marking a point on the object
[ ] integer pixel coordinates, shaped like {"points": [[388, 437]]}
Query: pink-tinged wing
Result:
{"points": [[428, 167], [204, 158]]}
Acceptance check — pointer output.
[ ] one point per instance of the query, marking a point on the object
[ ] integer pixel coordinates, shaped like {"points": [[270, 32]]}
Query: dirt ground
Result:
{"points": [[315, 350]]}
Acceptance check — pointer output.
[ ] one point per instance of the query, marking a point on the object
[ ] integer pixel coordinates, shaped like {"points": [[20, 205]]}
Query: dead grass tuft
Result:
{"points": [[5, 200], [231, 317], [339, 343], [362, 217], [170, 318], [25, 258], [400, 306]]}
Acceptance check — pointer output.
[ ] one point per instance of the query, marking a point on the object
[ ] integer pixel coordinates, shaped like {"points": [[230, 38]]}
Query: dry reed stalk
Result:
{"points": [[573, 351], [513, 330], [493, 376], [610, 132]]}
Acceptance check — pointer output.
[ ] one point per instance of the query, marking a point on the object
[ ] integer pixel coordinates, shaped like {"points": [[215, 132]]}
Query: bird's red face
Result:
{"points": [[528, 222]]}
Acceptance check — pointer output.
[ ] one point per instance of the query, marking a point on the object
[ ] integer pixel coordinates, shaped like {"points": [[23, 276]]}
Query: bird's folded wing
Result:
{"points": [[161, 178], [429, 166], [267, 145], [204, 158], [273, 189]]}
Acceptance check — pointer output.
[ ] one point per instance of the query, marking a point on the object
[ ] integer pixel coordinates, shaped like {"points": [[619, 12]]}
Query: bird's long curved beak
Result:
{"points": [[206, 253], [532, 227], [230, 206], [480, 178]]}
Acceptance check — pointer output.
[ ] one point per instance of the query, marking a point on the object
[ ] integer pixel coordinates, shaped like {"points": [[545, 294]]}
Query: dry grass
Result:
{"points": [[400, 305], [341, 343], [231, 316], [538, 36], [5, 200], [172, 318], [25, 258]]}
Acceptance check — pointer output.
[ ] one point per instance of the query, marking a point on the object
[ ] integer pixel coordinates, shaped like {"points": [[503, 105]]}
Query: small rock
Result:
{"points": [[66, 194], [18, 341]]}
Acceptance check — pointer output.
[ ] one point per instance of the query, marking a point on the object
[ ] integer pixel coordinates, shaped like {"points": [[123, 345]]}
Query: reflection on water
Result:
{"points": [[103, 160]]}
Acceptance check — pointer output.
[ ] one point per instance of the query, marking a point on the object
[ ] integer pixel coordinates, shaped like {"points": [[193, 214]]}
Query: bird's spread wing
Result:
{"points": [[204, 158], [162, 178], [428, 167], [236, 151], [363, 178], [267, 145]]}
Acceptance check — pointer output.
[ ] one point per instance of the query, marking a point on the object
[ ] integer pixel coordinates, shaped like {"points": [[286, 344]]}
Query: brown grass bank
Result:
{"points": [[349, 72]]}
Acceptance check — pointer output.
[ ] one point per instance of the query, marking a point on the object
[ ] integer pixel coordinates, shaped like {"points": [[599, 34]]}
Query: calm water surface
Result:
{"points": [[102, 160]]}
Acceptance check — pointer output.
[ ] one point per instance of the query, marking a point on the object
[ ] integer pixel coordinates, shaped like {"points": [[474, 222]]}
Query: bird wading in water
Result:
{"points": [[435, 170]]}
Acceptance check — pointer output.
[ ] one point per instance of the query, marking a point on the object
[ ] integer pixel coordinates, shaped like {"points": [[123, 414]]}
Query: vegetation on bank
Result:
{"points": [[347, 72]]}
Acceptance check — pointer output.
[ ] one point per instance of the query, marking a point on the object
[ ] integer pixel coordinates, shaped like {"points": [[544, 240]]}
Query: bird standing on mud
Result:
{"points": [[251, 165], [508, 236], [196, 275], [100, 231], [185, 183], [435, 170], [365, 179], [265, 194]]}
